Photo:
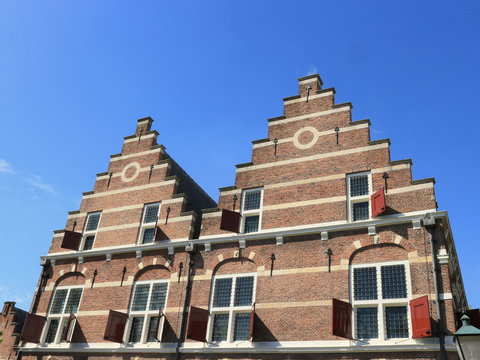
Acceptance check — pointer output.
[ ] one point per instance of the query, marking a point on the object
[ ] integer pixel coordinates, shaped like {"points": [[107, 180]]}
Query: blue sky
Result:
{"points": [[76, 75]]}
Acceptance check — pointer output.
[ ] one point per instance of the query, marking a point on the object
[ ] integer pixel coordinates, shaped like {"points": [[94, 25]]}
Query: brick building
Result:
{"points": [[324, 248]]}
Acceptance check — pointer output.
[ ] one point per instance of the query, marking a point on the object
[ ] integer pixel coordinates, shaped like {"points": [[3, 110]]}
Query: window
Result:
{"points": [[90, 231], [149, 223], [251, 210], [66, 301], [148, 303], [231, 306], [380, 299], [358, 196]]}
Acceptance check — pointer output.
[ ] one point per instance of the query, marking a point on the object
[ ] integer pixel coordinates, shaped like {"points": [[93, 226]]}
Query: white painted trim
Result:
{"points": [[123, 157], [136, 138], [314, 157], [311, 97], [133, 188], [308, 116]]}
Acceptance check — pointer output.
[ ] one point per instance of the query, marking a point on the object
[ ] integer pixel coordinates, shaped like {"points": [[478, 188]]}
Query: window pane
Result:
{"points": [[152, 329], [52, 331], [223, 291], [365, 283], [396, 320], [136, 330], [58, 301], [241, 330], [220, 326], [159, 294], [148, 235], [394, 284], [151, 212], [251, 200], [251, 224], [359, 185], [92, 222], [243, 291], [73, 301], [367, 323], [89, 242], [140, 297], [360, 211]]}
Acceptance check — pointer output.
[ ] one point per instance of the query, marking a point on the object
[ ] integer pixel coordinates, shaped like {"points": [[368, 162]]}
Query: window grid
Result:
{"points": [[380, 299], [151, 213], [358, 196], [90, 231], [251, 209], [359, 185], [251, 223], [231, 307], [360, 211], [92, 222], [252, 200], [52, 331], [148, 223]]}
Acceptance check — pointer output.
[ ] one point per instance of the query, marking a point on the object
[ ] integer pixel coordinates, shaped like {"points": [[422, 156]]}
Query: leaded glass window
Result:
{"points": [[252, 200], [367, 323], [251, 210], [251, 223], [358, 185], [360, 211], [396, 321], [394, 285], [151, 212], [149, 223]]}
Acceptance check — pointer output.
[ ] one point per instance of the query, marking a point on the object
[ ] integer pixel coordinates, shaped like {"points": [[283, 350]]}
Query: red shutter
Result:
{"points": [[71, 240], [420, 314], [32, 329], [197, 324], [252, 321], [230, 221], [378, 203], [115, 326], [160, 316], [72, 321], [341, 319]]}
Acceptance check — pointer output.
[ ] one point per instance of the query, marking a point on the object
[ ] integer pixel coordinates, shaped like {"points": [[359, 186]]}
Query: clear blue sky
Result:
{"points": [[76, 75]]}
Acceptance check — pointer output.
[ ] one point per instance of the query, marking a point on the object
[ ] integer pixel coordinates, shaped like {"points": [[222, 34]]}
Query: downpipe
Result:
{"points": [[188, 288]]}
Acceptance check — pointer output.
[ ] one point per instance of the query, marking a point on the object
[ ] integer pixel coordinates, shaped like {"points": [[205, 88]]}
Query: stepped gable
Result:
{"points": [[142, 173], [303, 165]]}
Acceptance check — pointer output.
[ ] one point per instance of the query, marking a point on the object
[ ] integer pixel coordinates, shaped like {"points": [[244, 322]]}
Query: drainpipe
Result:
{"points": [[188, 288], [40, 286], [430, 224]]}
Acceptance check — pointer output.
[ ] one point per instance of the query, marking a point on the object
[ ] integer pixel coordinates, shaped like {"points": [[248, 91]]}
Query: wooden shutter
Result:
{"points": [[420, 314], [252, 321], [71, 240], [158, 335], [378, 203], [115, 326], [72, 322], [230, 221], [32, 329], [341, 319], [197, 324]]}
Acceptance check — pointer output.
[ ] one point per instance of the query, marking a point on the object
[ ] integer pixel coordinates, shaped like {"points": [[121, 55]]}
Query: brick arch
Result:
{"points": [[141, 272], [361, 244], [246, 255], [67, 279], [159, 260]]}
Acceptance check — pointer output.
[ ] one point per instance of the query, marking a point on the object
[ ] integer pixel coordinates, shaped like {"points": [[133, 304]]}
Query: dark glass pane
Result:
{"points": [[367, 323], [140, 297], [159, 294], [251, 200], [151, 213], [220, 327], [251, 224], [396, 320], [243, 291], [394, 284], [89, 242], [58, 301], [365, 283], [223, 292], [92, 222], [359, 185], [152, 329], [360, 211], [241, 330], [52, 331], [148, 235], [73, 301], [136, 330]]}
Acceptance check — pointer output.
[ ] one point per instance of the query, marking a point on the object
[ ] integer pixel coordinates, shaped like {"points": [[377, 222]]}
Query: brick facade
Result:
{"points": [[306, 210]]}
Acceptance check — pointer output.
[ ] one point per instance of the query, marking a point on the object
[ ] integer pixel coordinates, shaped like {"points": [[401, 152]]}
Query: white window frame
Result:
{"points": [[91, 232], [359, 199], [147, 314], [231, 310], [62, 317], [381, 303], [150, 225], [253, 212]]}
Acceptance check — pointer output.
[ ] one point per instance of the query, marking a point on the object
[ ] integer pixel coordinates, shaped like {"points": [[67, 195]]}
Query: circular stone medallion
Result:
{"points": [[300, 132], [135, 166]]}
